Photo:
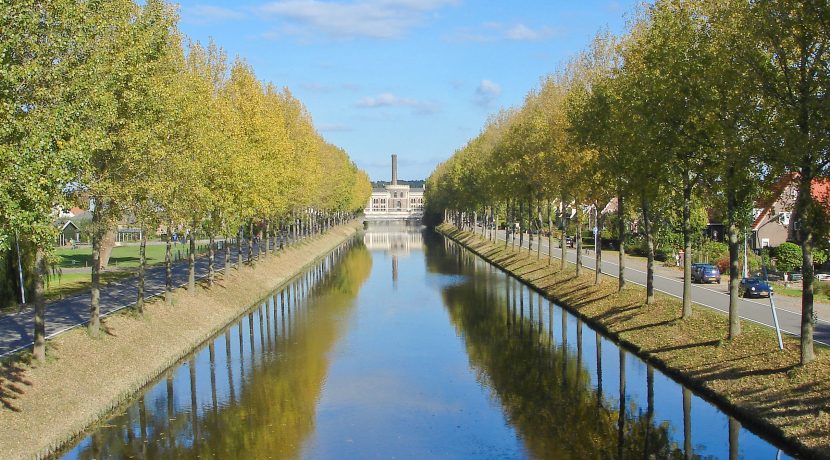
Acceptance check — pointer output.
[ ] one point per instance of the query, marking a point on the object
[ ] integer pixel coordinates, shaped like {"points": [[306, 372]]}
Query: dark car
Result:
{"points": [[705, 273], [695, 268], [754, 287]]}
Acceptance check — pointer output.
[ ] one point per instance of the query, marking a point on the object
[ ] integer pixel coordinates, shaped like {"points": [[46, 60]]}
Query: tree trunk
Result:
{"points": [[239, 238], [529, 227], [39, 349], [539, 229], [622, 233], [578, 235], [95, 293], [191, 261], [598, 249], [805, 236], [507, 222], [521, 227], [251, 243], [142, 264], [227, 246], [211, 255], [550, 234], [564, 237], [687, 246], [649, 251], [734, 318], [266, 238], [168, 266]]}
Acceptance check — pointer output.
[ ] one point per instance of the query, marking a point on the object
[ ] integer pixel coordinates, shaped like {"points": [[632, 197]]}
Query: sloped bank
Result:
{"points": [[44, 407], [749, 377]]}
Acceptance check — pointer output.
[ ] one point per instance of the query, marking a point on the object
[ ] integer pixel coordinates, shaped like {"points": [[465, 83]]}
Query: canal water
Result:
{"points": [[402, 344]]}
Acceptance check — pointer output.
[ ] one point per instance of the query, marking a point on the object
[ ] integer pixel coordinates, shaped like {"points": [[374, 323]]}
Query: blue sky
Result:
{"points": [[413, 77]]}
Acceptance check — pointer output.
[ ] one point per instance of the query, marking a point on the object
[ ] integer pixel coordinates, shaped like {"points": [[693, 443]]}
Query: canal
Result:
{"points": [[402, 344]]}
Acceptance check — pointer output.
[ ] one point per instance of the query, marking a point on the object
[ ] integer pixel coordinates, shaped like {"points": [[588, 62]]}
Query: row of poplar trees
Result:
{"points": [[105, 102], [699, 101]]}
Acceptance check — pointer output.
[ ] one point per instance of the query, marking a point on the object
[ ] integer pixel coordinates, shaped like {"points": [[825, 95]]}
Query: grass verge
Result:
{"points": [[43, 407], [764, 387], [68, 284], [123, 256]]}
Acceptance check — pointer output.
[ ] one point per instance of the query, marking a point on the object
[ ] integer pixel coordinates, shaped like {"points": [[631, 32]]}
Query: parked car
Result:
{"points": [[705, 273], [770, 276], [794, 276], [695, 268], [754, 287]]}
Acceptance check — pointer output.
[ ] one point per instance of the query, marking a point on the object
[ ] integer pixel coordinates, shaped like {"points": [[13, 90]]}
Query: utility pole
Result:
{"points": [[20, 270]]}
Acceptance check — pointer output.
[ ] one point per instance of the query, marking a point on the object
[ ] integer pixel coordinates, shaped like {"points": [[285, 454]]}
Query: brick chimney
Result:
{"points": [[394, 169]]}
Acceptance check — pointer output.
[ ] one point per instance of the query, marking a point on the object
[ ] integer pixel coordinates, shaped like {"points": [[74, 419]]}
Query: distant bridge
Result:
{"points": [[378, 216]]}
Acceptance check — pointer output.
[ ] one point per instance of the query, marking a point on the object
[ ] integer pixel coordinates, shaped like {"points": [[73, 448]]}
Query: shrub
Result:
{"points": [[788, 257], [819, 256], [723, 263], [821, 288], [712, 251]]}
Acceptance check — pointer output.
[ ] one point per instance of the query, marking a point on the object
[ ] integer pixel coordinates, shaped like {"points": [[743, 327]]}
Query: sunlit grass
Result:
{"points": [[122, 256], [67, 284]]}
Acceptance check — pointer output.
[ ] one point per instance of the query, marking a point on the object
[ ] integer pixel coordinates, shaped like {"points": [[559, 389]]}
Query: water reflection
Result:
{"points": [[252, 392], [563, 407], [452, 359]]}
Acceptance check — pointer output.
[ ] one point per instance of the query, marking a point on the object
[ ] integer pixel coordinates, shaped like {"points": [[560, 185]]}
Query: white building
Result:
{"points": [[395, 201]]}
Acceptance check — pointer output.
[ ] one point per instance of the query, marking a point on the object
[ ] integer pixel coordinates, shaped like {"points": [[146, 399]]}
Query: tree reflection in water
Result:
{"points": [[542, 385], [501, 379], [265, 407]]}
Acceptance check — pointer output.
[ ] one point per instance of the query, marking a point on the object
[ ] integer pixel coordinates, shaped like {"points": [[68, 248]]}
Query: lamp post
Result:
{"points": [[20, 269], [771, 301]]}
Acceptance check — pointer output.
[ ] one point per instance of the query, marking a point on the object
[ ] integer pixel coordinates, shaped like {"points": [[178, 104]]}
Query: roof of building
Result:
{"points": [[62, 224], [819, 188]]}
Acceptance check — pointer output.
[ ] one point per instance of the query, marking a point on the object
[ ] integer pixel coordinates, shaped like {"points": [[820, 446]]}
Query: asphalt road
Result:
{"points": [[711, 296], [17, 329]]}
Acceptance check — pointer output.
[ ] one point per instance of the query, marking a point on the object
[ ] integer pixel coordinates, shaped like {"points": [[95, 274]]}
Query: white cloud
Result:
{"points": [[493, 31], [391, 100], [205, 14], [358, 18], [486, 93], [523, 32]]}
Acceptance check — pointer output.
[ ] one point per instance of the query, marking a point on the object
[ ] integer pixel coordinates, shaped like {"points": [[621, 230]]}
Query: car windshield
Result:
{"points": [[754, 281], [711, 270]]}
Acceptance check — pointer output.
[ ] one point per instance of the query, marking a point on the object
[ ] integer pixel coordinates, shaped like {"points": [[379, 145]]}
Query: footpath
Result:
{"points": [[17, 327], [44, 407], [763, 387]]}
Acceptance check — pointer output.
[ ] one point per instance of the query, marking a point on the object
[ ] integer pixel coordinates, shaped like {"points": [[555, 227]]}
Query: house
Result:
{"points": [[773, 218], [68, 232]]}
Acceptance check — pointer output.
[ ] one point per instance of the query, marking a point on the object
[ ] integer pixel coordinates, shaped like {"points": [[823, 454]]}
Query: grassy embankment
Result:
{"points": [[764, 387], [42, 407]]}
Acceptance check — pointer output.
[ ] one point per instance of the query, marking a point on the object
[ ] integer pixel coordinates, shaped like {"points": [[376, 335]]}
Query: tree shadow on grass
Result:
{"points": [[647, 326], [123, 259], [13, 380], [619, 315], [685, 346]]}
